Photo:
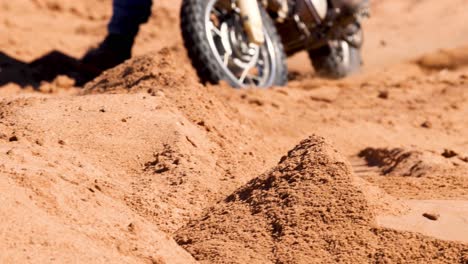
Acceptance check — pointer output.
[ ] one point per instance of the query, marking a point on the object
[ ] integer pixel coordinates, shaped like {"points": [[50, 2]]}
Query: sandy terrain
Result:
{"points": [[146, 165]]}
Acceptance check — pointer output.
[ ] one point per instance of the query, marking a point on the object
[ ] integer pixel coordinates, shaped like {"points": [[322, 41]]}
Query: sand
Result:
{"points": [[305, 210], [146, 165]]}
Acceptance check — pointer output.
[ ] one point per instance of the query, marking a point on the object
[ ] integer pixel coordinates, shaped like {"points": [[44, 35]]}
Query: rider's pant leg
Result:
{"points": [[128, 15]]}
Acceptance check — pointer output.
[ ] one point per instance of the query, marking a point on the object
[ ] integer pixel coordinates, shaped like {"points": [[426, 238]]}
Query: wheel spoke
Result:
{"points": [[239, 63], [254, 78], [249, 65], [217, 12], [215, 29], [226, 59], [224, 38]]}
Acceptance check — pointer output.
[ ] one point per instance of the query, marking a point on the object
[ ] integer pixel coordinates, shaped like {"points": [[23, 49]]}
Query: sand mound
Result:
{"points": [[166, 76], [305, 210], [163, 166], [418, 173], [414, 163], [445, 59], [168, 68], [401, 162], [64, 181], [123, 170]]}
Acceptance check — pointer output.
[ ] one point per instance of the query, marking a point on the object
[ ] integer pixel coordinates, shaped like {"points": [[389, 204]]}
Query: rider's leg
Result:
{"points": [[128, 15], [125, 23]]}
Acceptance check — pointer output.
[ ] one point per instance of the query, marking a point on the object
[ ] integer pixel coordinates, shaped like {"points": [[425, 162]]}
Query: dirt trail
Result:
{"points": [[113, 171]]}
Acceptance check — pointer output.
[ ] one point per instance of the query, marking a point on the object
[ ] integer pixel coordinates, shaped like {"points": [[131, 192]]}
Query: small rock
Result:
{"points": [[454, 106], [448, 153], [383, 95], [256, 101], [61, 142], [131, 227], [102, 110], [432, 216], [426, 124], [184, 240], [13, 139], [162, 169]]}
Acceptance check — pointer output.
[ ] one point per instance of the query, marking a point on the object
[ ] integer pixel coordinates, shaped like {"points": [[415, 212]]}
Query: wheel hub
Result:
{"points": [[236, 41]]}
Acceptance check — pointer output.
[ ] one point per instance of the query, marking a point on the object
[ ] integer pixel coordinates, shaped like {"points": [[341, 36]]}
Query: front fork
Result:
{"points": [[252, 20]]}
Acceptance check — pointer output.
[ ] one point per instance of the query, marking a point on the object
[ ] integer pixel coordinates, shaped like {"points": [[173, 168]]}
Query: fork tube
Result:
{"points": [[252, 19]]}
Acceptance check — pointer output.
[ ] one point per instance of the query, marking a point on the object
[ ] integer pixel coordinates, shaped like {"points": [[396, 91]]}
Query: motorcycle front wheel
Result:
{"points": [[219, 48]]}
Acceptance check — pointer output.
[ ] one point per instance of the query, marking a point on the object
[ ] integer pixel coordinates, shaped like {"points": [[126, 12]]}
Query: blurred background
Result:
{"points": [[397, 30]]}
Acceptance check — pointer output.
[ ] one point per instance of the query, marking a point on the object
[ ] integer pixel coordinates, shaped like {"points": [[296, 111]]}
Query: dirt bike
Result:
{"points": [[246, 42]]}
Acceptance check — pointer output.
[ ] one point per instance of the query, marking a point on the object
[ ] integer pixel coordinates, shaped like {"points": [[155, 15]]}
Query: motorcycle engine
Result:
{"points": [[311, 23], [297, 31]]}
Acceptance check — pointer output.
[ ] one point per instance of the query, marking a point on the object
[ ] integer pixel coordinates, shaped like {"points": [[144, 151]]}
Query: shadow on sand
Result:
{"points": [[45, 68]]}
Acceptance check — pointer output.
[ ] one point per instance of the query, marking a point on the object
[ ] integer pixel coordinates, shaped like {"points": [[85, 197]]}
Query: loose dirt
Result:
{"points": [[146, 165], [305, 210]]}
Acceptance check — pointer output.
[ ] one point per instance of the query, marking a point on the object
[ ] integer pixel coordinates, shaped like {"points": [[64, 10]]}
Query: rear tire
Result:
{"points": [[208, 65], [336, 60]]}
